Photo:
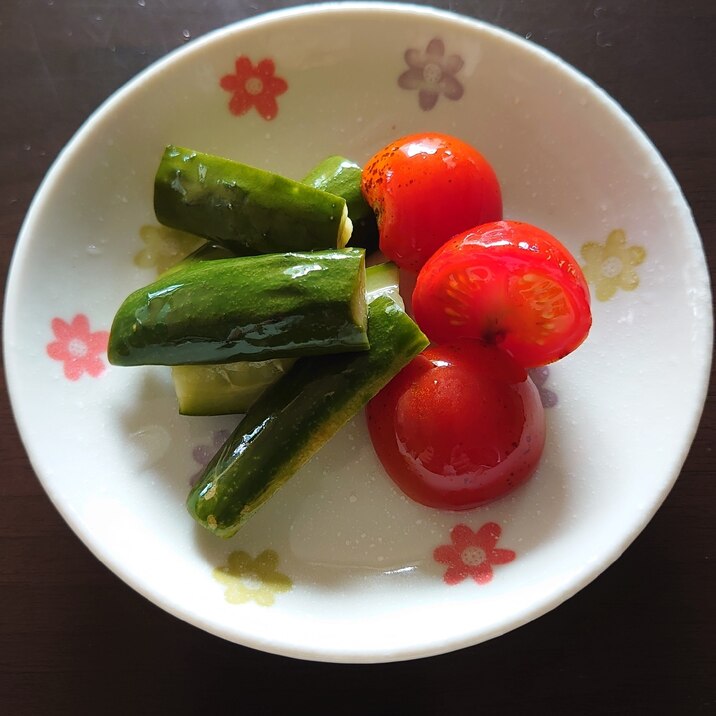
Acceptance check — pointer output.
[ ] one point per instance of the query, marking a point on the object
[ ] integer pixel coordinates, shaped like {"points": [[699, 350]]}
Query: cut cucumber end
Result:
{"points": [[383, 280], [208, 312], [359, 303], [296, 416], [247, 209], [345, 228]]}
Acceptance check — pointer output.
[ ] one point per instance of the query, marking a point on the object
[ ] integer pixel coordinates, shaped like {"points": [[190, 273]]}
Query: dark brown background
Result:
{"points": [[73, 638]]}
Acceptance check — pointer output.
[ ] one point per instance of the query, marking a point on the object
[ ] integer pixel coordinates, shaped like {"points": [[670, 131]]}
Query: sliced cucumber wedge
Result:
{"points": [[246, 308], [383, 280], [248, 210], [342, 177], [296, 416], [233, 387]]}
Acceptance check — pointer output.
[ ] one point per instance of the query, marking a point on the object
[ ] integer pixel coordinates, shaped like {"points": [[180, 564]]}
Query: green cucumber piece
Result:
{"points": [[245, 308], [247, 210], [383, 280], [233, 387], [226, 388], [206, 252], [296, 416], [342, 177]]}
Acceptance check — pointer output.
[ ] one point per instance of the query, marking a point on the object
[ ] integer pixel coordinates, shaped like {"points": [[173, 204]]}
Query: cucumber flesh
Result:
{"points": [[296, 416], [246, 308], [247, 210], [383, 280], [227, 388]]}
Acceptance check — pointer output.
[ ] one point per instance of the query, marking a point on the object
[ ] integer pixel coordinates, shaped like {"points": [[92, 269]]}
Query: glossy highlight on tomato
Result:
{"points": [[507, 283], [459, 426], [424, 189]]}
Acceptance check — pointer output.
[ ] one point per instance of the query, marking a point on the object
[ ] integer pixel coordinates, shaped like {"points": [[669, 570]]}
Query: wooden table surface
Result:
{"points": [[641, 639]]}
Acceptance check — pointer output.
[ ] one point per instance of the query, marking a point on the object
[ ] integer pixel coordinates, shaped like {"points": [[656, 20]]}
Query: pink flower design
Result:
{"points": [[78, 347], [254, 87], [432, 74], [539, 378], [472, 554], [202, 454]]}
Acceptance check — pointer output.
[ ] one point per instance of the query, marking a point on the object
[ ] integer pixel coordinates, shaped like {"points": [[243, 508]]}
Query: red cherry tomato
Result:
{"points": [[459, 426], [506, 283], [425, 188]]}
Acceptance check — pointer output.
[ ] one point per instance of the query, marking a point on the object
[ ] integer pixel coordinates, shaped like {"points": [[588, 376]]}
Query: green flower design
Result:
{"points": [[610, 266], [164, 247], [249, 579]]}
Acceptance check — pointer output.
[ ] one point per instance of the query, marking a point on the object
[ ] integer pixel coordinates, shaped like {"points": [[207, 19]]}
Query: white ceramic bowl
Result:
{"points": [[339, 566]]}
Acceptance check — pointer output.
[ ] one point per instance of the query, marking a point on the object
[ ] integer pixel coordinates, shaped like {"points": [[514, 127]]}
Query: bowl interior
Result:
{"points": [[339, 565]]}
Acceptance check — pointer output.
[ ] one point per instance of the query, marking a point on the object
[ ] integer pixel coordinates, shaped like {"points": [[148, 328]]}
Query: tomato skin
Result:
{"points": [[425, 188], [459, 426], [507, 283]]}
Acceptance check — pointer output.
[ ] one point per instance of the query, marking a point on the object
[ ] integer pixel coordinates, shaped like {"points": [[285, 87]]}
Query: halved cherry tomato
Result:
{"points": [[459, 426], [424, 189], [507, 283]]}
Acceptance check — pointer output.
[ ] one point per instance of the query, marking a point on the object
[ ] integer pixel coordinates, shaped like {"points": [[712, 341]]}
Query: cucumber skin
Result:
{"points": [[247, 210], [217, 390], [342, 177], [207, 252], [296, 416], [245, 308]]}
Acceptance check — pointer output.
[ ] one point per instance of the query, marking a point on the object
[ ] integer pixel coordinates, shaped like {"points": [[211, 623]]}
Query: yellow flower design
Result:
{"points": [[610, 266], [164, 247], [249, 579]]}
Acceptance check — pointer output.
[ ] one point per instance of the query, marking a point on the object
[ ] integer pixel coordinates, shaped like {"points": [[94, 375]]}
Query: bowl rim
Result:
{"points": [[196, 46]]}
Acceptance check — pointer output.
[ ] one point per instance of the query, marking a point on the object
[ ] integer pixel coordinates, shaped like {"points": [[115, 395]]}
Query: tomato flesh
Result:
{"points": [[506, 283], [425, 188], [459, 426]]}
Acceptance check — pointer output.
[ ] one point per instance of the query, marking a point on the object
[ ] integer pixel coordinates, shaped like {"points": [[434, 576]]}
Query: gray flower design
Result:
{"points": [[539, 377], [432, 74], [202, 454]]}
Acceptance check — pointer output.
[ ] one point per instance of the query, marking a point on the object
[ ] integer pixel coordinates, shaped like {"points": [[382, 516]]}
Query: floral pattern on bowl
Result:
{"points": [[254, 86], [540, 376], [61, 357], [432, 73], [256, 580], [79, 349], [472, 554], [203, 453], [611, 266]]}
